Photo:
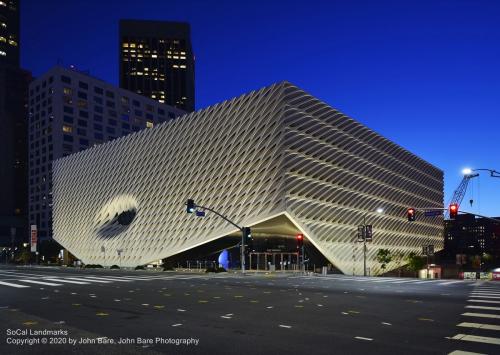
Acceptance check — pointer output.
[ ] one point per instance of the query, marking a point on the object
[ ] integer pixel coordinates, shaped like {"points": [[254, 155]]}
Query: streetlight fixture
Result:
{"points": [[366, 233], [467, 171]]}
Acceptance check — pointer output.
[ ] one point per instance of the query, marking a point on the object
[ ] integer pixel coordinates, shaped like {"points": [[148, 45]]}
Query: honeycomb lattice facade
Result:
{"points": [[276, 151]]}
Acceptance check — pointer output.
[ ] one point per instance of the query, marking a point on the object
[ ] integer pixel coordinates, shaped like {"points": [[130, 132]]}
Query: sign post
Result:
{"points": [[34, 238]]}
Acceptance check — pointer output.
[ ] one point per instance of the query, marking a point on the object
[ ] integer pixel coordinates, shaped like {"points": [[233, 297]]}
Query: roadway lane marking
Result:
{"points": [[285, 326], [225, 317], [479, 326], [176, 325], [12, 285], [40, 282], [481, 315], [448, 283], [88, 280], [385, 323], [426, 319], [483, 301], [477, 339], [181, 310], [68, 281], [106, 279], [460, 352], [484, 307], [404, 281], [363, 338], [483, 296]]}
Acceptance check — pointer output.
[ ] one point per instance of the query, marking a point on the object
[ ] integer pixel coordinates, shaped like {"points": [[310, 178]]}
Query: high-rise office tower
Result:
{"points": [[9, 32], [13, 137], [157, 61]]}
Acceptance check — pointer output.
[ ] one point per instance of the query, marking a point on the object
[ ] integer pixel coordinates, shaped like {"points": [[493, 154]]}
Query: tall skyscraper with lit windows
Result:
{"points": [[9, 32], [157, 61]]}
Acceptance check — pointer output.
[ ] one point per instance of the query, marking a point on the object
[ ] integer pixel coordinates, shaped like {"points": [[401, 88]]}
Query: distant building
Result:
{"points": [[70, 111], [472, 236], [276, 160], [9, 32], [157, 61]]}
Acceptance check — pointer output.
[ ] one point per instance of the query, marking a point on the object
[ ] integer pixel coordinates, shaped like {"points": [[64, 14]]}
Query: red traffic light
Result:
{"points": [[300, 240], [410, 214], [453, 210]]}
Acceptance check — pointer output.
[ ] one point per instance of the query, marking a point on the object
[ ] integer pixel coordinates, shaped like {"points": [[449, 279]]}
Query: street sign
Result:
{"points": [[424, 249], [430, 250], [433, 213], [361, 233], [34, 237], [200, 213], [368, 232]]}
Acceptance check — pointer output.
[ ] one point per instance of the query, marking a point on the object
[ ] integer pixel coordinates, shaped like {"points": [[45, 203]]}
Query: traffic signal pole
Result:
{"points": [[245, 231]]}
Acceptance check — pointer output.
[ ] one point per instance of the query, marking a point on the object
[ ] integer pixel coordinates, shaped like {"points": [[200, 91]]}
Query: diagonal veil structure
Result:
{"points": [[275, 152]]}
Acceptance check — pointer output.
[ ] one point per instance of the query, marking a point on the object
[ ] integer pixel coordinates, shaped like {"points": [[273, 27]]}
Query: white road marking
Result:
{"points": [[363, 338], [483, 301], [484, 307], [483, 296], [181, 310], [176, 325], [479, 326], [481, 315], [68, 281], [225, 317], [88, 280], [107, 279], [12, 285], [40, 282], [385, 323], [449, 283], [477, 339], [285, 326], [404, 281], [269, 307]]}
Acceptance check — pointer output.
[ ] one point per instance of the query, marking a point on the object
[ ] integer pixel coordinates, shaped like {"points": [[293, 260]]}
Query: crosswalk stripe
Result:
{"points": [[478, 339], [12, 285], [40, 282], [67, 281], [483, 296], [105, 279], [449, 283], [479, 326], [88, 280], [483, 301], [484, 307], [481, 315]]}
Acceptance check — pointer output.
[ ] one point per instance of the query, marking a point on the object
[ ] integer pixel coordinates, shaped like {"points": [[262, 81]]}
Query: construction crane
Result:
{"points": [[459, 193]]}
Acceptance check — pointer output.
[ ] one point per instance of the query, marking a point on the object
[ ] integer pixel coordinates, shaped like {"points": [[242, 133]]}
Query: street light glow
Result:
{"points": [[380, 210], [467, 171]]}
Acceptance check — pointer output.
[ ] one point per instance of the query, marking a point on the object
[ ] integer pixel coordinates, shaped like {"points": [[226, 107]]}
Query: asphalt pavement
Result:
{"points": [[92, 311]]}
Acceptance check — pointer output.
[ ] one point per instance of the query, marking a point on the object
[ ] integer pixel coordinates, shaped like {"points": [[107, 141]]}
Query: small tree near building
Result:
{"points": [[415, 262], [384, 257]]}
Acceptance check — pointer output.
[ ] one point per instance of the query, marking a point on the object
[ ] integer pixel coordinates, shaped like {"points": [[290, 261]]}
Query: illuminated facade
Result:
{"points": [[277, 160], [157, 61], [9, 32], [70, 111]]}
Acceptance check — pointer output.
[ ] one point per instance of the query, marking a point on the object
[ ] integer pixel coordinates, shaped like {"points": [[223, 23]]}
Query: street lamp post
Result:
{"points": [[364, 237]]}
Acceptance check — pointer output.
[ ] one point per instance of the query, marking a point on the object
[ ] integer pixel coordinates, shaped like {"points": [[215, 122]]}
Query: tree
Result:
{"points": [[415, 262], [384, 257]]}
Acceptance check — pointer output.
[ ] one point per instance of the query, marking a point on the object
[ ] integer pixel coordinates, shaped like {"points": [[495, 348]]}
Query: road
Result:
{"points": [[250, 314]]}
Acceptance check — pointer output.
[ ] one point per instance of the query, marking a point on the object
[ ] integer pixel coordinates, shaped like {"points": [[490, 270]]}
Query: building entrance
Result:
{"points": [[274, 261]]}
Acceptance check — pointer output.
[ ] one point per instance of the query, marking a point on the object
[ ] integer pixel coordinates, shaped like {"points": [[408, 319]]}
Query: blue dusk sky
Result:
{"points": [[424, 73]]}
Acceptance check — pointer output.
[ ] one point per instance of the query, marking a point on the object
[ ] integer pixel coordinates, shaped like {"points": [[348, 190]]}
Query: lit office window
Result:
{"points": [[67, 129]]}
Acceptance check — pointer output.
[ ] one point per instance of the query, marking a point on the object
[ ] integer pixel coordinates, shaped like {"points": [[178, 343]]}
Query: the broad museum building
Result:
{"points": [[277, 160]]}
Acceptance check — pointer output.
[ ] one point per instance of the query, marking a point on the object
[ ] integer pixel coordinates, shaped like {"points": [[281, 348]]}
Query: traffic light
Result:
{"points": [[411, 214], [190, 206], [300, 241], [453, 210], [247, 239], [369, 232]]}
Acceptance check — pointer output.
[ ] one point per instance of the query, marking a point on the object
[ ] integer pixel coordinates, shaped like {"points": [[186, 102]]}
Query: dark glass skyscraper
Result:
{"points": [[157, 61], [13, 131], [9, 32]]}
